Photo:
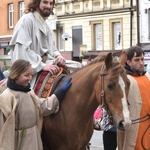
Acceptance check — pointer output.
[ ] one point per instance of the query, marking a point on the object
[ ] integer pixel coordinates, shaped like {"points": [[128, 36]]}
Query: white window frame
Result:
{"points": [[21, 9], [60, 39], [98, 36], [11, 15], [117, 35]]}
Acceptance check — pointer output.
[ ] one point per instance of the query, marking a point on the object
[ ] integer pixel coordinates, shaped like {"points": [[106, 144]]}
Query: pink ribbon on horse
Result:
{"points": [[98, 113]]}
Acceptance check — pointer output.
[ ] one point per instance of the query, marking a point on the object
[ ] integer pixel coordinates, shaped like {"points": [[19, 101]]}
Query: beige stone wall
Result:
{"points": [[107, 10], [87, 32], [90, 5]]}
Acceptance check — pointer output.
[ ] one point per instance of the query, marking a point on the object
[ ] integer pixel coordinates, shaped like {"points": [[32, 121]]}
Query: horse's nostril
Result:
{"points": [[124, 125], [121, 125]]}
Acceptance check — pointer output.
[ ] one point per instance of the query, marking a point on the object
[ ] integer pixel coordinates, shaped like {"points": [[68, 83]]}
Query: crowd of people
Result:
{"points": [[33, 49]]}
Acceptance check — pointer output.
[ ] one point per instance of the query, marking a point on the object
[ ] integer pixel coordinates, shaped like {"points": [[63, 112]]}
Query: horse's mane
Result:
{"points": [[115, 70], [116, 66], [99, 58]]}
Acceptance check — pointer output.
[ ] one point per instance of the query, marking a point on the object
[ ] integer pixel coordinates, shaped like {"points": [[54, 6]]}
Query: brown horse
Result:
{"points": [[102, 82]]}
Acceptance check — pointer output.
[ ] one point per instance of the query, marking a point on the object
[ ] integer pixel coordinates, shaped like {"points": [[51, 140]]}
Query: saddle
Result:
{"points": [[47, 83]]}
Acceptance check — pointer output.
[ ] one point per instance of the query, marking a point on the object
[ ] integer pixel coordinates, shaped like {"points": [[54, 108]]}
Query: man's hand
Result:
{"points": [[53, 69], [60, 61]]}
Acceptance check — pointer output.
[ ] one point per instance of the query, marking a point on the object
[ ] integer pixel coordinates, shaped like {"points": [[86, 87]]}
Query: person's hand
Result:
{"points": [[61, 91], [53, 69], [60, 61]]}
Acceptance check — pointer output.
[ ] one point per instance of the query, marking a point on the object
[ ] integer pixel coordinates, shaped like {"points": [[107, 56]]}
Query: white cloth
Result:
{"points": [[19, 111], [30, 42]]}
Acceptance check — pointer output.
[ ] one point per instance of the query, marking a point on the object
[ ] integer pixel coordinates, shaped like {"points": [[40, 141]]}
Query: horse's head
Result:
{"points": [[114, 90]]}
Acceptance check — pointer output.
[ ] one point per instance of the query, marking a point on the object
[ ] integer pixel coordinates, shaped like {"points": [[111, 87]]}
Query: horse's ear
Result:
{"points": [[108, 60], [123, 58]]}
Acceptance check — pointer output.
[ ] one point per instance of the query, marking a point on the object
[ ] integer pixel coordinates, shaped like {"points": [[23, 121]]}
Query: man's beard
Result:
{"points": [[43, 13], [138, 71]]}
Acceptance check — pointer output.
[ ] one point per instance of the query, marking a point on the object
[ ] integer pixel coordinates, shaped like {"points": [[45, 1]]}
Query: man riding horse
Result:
{"points": [[33, 40]]}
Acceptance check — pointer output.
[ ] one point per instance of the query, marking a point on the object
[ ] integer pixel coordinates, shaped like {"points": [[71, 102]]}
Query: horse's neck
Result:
{"points": [[83, 98], [82, 95]]}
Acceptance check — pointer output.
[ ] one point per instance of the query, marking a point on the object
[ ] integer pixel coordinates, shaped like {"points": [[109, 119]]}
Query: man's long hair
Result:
{"points": [[31, 7]]}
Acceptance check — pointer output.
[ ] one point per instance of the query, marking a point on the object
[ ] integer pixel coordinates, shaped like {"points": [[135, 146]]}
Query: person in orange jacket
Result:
{"points": [[137, 137]]}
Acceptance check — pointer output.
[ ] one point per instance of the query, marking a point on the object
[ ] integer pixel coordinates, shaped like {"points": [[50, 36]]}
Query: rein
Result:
{"points": [[139, 120], [142, 140], [102, 94]]}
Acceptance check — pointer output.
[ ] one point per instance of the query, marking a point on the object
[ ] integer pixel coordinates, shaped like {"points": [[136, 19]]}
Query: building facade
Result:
{"points": [[98, 24], [94, 25], [10, 11], [144, 24]]}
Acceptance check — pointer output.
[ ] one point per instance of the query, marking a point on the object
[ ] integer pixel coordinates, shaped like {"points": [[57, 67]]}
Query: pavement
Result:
{"points": [[96, 142]]}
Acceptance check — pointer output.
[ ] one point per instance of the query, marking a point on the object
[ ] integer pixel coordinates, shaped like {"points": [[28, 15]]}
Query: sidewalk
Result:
{"points": [[96, 148], [96, 141]]}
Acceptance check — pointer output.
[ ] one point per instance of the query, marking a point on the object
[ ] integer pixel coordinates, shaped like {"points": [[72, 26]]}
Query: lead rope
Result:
{"points": [[102, 94], [142, 119], [143, 138]]}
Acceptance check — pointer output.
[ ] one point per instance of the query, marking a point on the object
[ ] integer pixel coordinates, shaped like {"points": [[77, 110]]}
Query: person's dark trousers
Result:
{"points": [[110, 140], [1, 75]]}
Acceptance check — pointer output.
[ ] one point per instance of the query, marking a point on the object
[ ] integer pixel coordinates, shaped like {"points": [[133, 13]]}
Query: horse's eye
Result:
{"points": [[111, 85]]}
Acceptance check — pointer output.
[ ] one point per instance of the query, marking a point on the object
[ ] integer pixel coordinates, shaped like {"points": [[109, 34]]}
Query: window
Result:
{"points": [[97, 37], [21, 9], [116, 34], [11, 15], [76, 40], [60, 40], [149, 23]]}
